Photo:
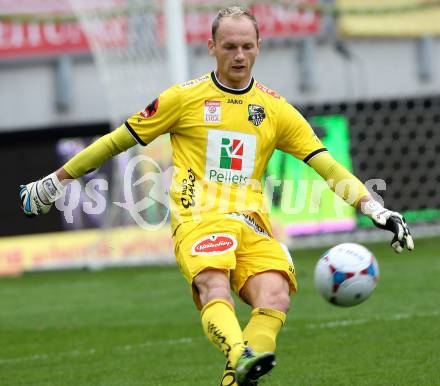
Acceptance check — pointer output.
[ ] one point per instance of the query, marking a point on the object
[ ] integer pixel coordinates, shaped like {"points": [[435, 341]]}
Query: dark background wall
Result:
{"points": [[26, 156]]}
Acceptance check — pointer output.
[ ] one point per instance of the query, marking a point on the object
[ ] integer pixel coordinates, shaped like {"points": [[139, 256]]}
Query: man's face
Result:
{"points": [[235, 48]]}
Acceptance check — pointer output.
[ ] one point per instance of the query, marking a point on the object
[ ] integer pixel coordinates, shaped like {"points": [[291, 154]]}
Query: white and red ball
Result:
{"points": [[346, 274]]}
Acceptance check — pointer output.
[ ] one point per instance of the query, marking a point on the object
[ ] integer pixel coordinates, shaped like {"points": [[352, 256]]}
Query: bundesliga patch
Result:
{"points": [[214, 244], [256, 114], [212, 111]]}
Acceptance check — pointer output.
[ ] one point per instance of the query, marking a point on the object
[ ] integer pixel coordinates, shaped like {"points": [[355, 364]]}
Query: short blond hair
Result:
{"points": [[234, 11]]}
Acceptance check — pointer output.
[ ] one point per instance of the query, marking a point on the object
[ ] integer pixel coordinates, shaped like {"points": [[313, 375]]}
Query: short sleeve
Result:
{"points": [[294, 134], [159, 117]]}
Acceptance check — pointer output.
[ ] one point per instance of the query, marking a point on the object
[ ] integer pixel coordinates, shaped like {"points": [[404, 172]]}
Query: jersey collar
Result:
{"points": [[231, 90]]}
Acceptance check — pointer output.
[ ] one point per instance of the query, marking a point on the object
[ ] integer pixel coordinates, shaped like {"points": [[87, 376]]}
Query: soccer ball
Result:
{"points": [[346, 274]]}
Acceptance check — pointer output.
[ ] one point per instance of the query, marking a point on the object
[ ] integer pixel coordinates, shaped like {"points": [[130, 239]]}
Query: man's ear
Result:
{"points": [[259, 44], [211, 46]]}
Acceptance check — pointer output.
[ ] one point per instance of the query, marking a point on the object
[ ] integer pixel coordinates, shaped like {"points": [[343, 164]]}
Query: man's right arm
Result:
{"points": [[37, 197], [160, 116]]}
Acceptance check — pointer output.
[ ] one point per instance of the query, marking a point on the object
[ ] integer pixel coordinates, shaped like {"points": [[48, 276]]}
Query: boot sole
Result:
{"points": [[262, 367]]}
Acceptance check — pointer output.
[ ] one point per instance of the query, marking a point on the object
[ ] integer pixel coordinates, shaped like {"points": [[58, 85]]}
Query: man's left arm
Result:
{"points": [[353, 191], [295, 136]]}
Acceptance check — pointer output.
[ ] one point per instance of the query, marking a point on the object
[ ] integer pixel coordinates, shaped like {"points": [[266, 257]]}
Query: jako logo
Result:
{"points": [[214, 245], [231, 156]]}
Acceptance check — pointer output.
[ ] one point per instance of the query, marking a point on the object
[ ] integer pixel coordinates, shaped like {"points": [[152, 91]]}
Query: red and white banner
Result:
{"points": [[275, 21], [40, 39], [35, 39]]}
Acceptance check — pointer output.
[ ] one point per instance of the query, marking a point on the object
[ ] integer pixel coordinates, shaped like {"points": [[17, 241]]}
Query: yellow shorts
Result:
{"points": [[236, 243]]}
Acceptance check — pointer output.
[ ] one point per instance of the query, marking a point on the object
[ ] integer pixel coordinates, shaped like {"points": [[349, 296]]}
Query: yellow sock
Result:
{"points": [[228, 378], [262, 330], [222, 328], [260, 334]]}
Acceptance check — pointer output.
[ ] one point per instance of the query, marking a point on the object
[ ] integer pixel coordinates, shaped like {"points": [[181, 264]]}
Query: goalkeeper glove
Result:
{"points": [[37, 197], [391, 221]]}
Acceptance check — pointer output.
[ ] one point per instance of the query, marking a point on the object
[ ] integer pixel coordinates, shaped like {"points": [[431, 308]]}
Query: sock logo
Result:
{"points": [[218, 339], [228, 375]]}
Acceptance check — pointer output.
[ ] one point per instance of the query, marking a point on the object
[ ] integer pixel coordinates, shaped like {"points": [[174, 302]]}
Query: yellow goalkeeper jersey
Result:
{"points": [[222, 140]]}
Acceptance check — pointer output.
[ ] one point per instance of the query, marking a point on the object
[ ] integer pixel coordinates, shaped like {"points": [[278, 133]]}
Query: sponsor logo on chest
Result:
{"points": [[188, 190], [212, 111], [230, 157], [214, 244]]}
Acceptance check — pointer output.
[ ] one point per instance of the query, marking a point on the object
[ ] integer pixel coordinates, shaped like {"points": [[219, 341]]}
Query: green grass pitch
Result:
{"points": [[137, 326]]}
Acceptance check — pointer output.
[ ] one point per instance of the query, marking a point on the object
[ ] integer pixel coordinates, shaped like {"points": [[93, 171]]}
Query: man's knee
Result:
{"points": [[213, 284], [278, 300], [268, 290], [275, 298]]}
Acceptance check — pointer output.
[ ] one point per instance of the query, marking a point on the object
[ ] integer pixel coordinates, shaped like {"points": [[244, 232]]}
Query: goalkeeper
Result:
{"points": [[224, 127]]}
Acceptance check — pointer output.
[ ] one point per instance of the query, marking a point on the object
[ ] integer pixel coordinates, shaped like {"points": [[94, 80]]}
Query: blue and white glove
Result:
{"points": [[391, 221], [37, 197]]}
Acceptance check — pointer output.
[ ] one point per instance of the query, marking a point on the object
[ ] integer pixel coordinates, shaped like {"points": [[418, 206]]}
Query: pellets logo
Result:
{"points": [[231, 156], [214, 244]]}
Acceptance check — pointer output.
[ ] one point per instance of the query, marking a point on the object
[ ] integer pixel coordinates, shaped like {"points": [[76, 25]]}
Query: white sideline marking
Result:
{"points": [[92, 351], [353, 322]]}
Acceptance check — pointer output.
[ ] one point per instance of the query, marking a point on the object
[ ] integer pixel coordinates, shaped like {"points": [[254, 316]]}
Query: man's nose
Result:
{"points": [[239, 55]]}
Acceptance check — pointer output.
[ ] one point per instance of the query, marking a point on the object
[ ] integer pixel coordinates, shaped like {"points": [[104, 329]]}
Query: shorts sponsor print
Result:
{"points": [[214, 244], [249, 221], [235, 243]]}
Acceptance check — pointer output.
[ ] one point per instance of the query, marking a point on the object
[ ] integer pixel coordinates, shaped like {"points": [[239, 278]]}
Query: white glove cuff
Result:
{"points": [[50, 187], [371, 207]]}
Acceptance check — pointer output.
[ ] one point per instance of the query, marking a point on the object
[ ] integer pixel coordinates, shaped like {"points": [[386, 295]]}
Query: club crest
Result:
{"points": [[256, 114]]}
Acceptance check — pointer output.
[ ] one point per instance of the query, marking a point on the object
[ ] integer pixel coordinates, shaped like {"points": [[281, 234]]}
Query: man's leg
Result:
{"points": [[223, 330], [268, 294], [218, 316]]}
